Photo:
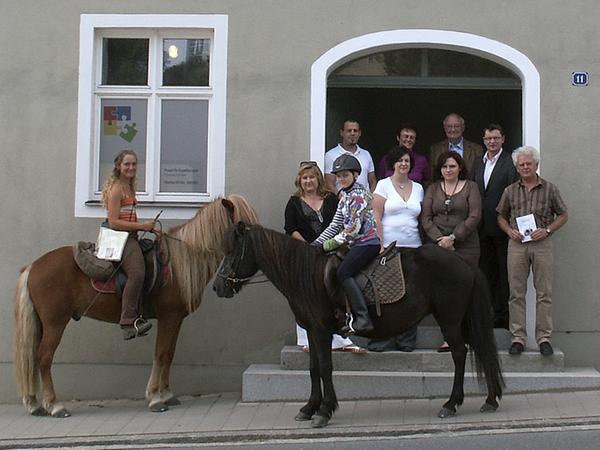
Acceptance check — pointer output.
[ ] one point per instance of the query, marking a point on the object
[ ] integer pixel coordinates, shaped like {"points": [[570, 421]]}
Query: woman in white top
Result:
{"points": [[397, 203], [397, 206]]}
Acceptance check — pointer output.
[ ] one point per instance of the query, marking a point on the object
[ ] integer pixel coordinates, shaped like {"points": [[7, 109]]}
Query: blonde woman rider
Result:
{"points": [[118, 197]]}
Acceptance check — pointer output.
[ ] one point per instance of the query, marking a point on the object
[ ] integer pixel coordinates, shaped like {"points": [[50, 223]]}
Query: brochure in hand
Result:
{"points": [[526, 225]]}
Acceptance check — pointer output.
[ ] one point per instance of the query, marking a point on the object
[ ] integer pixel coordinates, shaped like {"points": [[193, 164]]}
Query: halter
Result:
{"points": [[231, 280]]}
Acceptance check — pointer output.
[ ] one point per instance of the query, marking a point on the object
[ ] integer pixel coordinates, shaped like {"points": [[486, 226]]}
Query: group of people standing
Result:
{"points": [[464, 199]]}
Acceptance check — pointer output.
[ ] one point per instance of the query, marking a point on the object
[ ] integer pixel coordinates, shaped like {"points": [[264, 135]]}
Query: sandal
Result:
{"points": [[444, 348], [353, 349]]}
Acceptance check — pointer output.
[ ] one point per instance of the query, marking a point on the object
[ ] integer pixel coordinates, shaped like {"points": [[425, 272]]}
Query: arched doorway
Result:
{"points": [[441, 45], [465, 43]]}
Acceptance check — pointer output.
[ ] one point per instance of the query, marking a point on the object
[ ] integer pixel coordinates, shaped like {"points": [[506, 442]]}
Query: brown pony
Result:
{"points": [[52, 290]]}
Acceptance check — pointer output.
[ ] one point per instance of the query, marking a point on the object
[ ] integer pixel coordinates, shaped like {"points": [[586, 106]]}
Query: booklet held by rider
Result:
{"points": [[526, 225], [110, 244]]}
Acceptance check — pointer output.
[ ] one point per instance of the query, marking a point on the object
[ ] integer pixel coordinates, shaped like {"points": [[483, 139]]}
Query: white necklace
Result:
{"points": [[400, 185]]}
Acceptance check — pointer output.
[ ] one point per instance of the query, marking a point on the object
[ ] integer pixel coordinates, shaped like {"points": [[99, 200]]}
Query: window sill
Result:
{"points": [[145, 209]]}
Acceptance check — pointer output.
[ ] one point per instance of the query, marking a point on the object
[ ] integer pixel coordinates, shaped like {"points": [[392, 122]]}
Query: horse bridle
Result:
{"points": [[232, 280]]}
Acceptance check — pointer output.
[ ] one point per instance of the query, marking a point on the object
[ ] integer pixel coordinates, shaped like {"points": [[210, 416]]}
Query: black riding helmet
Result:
{"points": [[346, 162]]}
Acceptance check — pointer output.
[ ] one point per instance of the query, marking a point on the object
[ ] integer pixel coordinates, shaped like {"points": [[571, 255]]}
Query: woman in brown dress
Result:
{"points": [[452, 210]]}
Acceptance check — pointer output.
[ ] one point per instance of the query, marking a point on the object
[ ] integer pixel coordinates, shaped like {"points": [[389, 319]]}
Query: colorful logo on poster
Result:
{"points": [[117, 122]]}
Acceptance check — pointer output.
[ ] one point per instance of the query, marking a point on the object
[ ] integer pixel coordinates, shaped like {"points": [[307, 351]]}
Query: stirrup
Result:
{"points": [[141, 326], [347, 330]]}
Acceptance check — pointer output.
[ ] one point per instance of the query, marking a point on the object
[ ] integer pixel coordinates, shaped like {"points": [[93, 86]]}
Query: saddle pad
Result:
{"points": [[105, 287], [110, 286], [384, 279]]}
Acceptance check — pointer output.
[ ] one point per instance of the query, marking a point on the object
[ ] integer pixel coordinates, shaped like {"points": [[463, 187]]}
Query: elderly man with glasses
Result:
{"points": [[454, 127]]}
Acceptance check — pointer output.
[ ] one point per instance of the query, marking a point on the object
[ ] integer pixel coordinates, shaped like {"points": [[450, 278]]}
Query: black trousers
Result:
{"points": [[357, 258], [492, 262]]}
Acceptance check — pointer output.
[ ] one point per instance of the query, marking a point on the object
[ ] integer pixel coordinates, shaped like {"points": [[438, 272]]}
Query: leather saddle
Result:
{"points": [[381, 281], [157, 275]]}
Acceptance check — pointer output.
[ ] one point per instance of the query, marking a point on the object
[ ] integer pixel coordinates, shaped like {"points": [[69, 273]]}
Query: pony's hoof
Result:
{"points": [[173, 401], [445, 413], [61, 414], [158, 407], [319, 421], [39, 412], [487, 408], [302, 417]]}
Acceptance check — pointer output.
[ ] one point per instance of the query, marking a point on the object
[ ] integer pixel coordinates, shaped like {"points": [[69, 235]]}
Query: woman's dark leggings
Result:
{"points": [[132, 264], [357, 258]]}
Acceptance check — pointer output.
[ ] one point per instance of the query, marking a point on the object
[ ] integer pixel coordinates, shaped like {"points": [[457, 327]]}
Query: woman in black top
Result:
{"points": [[310, 210], [307, 213]]}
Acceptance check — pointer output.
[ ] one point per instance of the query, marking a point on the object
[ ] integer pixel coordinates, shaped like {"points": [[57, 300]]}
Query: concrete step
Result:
{"points": [[430, 337], [267, 382], [293, 358]]}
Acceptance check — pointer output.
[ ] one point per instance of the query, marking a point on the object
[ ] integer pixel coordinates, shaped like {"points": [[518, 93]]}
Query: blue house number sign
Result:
{"points": [[579, 78]]}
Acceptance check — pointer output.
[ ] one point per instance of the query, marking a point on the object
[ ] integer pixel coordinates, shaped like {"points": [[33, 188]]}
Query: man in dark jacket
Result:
{"points": [[454, 127], [492, 173]]}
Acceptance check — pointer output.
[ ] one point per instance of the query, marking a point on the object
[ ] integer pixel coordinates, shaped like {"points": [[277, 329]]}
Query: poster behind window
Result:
{"points": [[184, 146], [123, 126]]}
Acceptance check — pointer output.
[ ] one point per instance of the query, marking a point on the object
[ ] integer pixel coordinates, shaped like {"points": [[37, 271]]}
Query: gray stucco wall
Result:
{"points": [[272, 45]]}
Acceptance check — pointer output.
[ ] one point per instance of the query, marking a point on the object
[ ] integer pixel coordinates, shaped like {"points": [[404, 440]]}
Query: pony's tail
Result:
{"points": [[27, 339], [482, 340]]}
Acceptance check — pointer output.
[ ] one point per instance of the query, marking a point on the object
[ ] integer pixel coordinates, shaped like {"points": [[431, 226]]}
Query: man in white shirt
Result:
{"points": [[350, 133], [492, 173]]}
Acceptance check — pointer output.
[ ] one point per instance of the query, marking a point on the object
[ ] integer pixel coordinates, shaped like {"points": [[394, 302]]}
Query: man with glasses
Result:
{"points": [[350, 133], [454, 127], [493, 173]]}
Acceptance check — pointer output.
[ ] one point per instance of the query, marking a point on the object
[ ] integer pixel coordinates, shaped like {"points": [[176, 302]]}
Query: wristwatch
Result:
{"points": [[452, 237], [548, 231]]}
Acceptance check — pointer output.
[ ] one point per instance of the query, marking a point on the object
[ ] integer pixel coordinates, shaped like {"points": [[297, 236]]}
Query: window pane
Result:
{"points": [[125, 62], [445, 63], [184, 142], [398, 62], [420, 63], [123, 127], [186, 62]]}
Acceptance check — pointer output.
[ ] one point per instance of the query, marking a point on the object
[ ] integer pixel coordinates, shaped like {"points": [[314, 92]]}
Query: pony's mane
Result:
{"points": [[297, 270], [197, 249]]}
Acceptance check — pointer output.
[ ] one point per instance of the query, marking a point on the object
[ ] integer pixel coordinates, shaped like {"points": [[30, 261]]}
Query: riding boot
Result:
{"points": [[362, 321]]}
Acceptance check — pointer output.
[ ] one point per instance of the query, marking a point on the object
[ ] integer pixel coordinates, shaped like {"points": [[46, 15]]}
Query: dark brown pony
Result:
{"points": [[438, 282], [52, 290]]}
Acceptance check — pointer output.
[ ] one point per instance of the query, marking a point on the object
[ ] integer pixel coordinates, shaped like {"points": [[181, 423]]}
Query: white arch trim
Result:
{"points": [[449, 40]]}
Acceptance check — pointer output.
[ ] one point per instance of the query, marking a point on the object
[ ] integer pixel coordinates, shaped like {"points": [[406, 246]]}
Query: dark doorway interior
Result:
{"points": [[381, 110]]}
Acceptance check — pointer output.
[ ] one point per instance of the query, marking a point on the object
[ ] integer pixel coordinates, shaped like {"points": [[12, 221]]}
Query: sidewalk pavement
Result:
{"points": [[222, 418]]}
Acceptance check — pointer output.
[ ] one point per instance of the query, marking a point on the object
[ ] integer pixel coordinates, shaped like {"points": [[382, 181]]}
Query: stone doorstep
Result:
{"points": [[429, 337], [267, 382], [293, 358]]}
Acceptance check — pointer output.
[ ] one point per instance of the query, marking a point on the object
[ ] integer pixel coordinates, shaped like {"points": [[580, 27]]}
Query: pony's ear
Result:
{"points": [[228, 204]]}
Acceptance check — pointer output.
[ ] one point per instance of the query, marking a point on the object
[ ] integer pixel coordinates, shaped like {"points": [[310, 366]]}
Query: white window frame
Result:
{"points": [[93, 27]]}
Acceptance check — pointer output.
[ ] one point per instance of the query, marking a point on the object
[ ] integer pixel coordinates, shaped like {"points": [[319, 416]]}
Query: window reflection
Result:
{"points": [[186, 62]]}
